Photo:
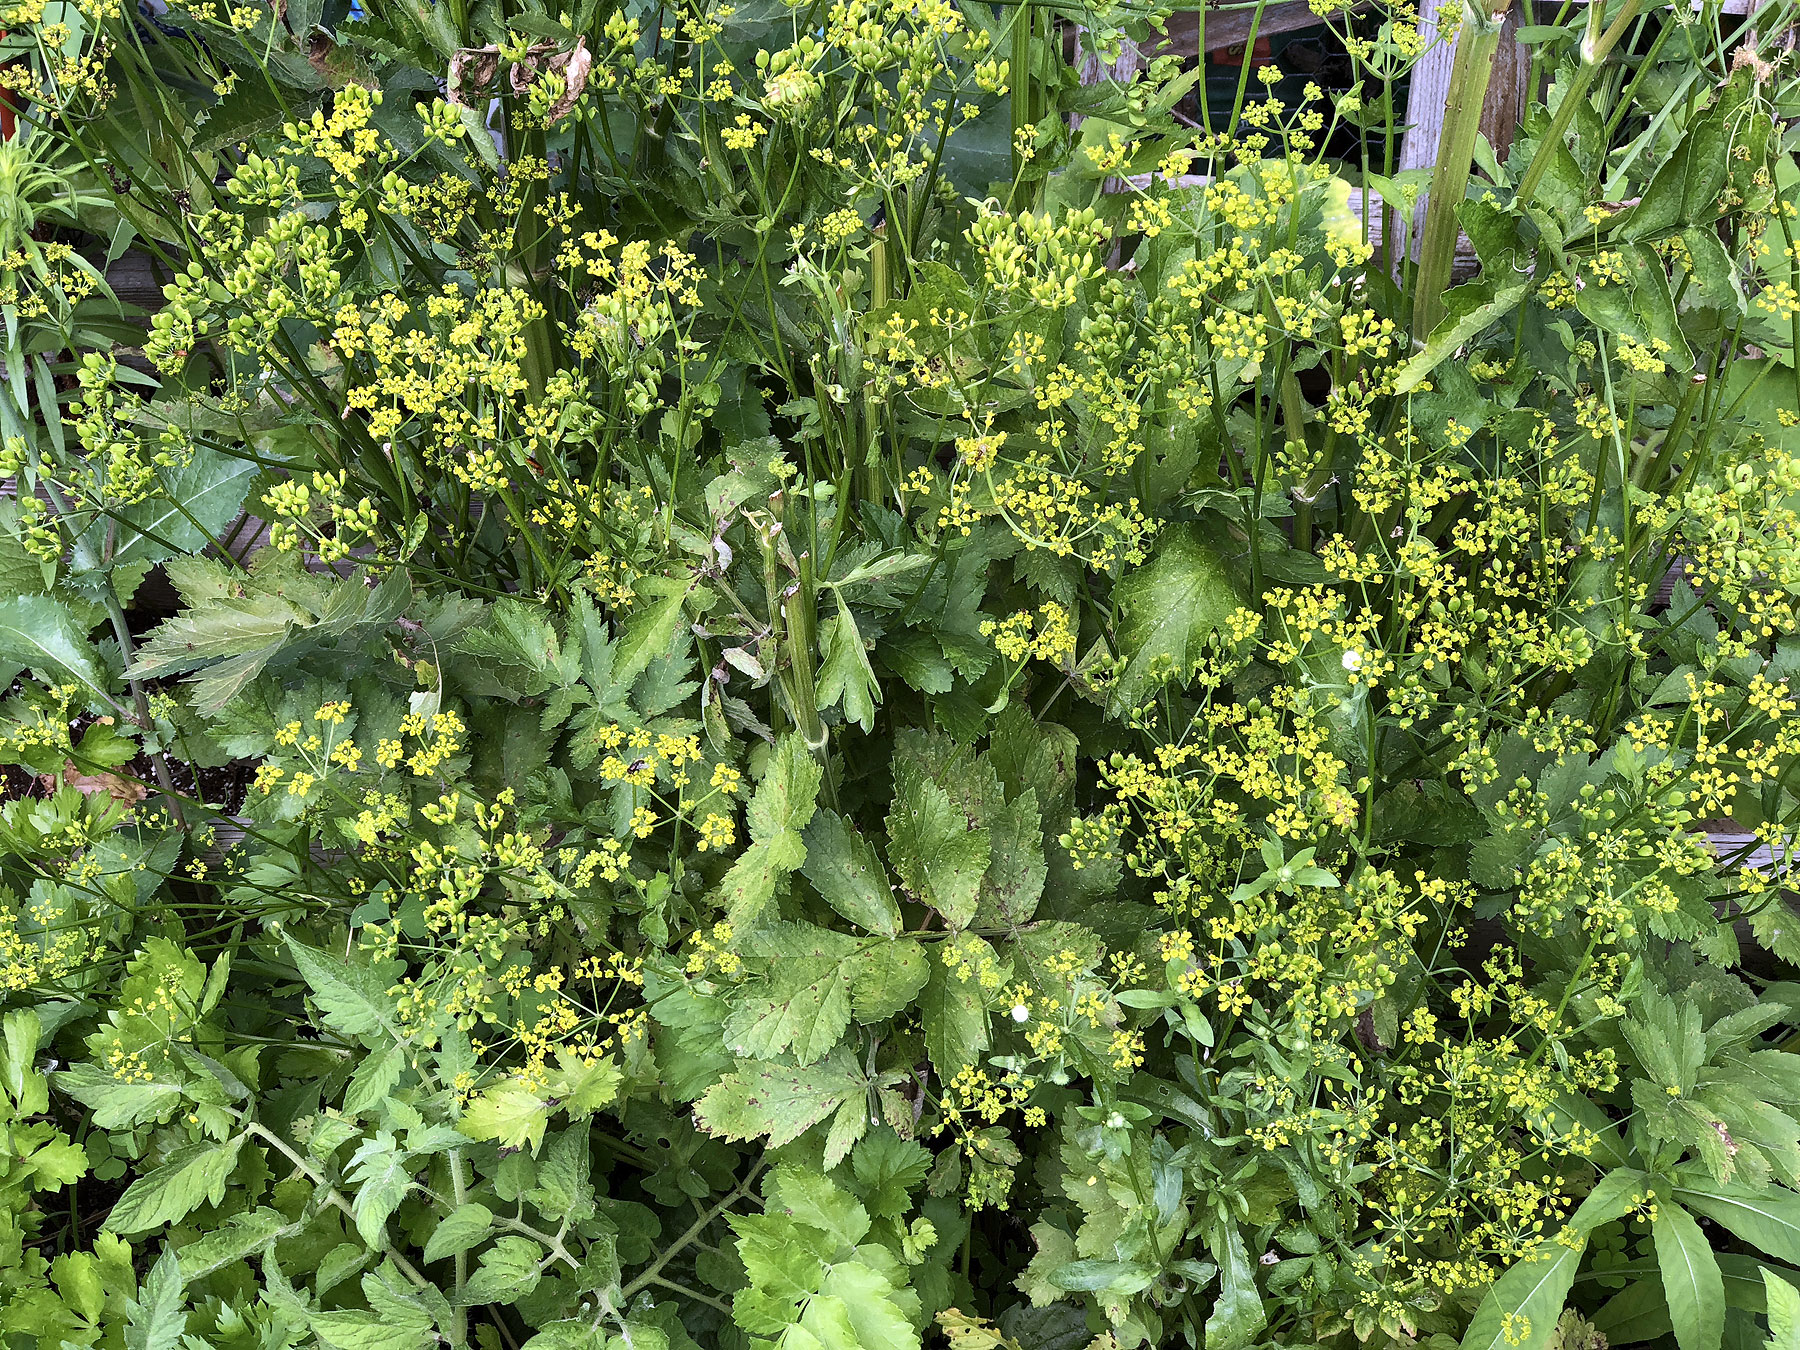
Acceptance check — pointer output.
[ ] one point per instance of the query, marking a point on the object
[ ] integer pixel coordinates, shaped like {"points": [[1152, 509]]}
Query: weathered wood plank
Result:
{"points": [[1231, 27], [137, 279]]}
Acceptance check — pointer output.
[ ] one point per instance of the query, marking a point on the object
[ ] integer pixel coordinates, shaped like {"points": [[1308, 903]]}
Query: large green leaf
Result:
{"points": [[20, 573], [1784, 1312], [156, 1319], [464, 1227], [363, 1330], [1615, 1195], [194, 1174], [807, 1274], [843, 867], [1238, 1315], [1469, 309], [228, 627], [381, 1174], [1519, 1312], [116, 1103], [509, 1270], [779, 809], [1768, 1219], [649, 632], [1167, 610], [866, 1297], [954, 1014], [36, 632], [885, 978], [1640, 307], [803, 1002], [1685, 188], [786, 798], [845, 673], [937, 850], [1014, 880], [351, 997], [241, 1237], [780, 1103], [509, 1113], [1691, 1280], [198, 502]]}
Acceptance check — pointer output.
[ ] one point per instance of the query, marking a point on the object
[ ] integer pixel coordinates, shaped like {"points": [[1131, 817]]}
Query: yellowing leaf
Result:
{"points": [[582, 1086], [508, 1112]]}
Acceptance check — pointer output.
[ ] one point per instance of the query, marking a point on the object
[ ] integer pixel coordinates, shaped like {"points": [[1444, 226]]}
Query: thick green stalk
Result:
{"points": [[1469, 75], [1023, 115], [459, 1316], [799, 608]]}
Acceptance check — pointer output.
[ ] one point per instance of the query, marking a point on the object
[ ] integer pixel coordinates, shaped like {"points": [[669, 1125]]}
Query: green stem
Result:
{"points": [[699, 1226], [459, 1317], [1020, 78], [333, 1196], [1595, 48]]}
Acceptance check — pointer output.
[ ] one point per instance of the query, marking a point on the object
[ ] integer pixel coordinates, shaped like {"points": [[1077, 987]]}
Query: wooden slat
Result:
{"points": [[137, 279], [1231, 27]]}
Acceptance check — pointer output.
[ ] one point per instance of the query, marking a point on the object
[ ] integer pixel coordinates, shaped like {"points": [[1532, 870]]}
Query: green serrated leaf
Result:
{"points": [[1783, 1303], [1167, 610], [938, 853], [866, 1299], [509, 1270], [779, 809], [374, 1078], [243, 1236], [117, 1104], [786, 798], [155, 1319], [508, 1112], [464, 1227], [843, 867], [810, 1198], [582, 1086], [381, 1175], [647, 635], [1014, 880], [845, 674], [954, 1015], [802, 1003], [195, 505], [1238, 1315], [780, 1103], [351, 997], [36, 632], [194, 1174], [888, 1169], [885, 978], [361, 1330]]}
